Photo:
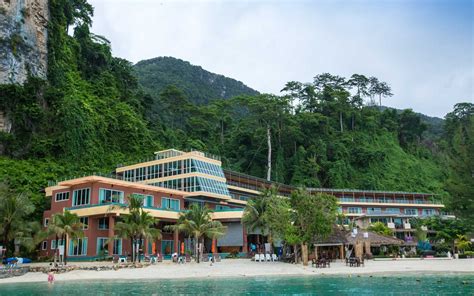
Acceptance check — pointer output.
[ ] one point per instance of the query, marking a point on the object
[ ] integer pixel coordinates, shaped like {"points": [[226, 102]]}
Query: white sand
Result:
{"points": [[245, 267]]}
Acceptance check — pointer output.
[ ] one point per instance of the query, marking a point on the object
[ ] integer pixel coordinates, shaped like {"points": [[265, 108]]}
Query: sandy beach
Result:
{"points": [[245, 267]]}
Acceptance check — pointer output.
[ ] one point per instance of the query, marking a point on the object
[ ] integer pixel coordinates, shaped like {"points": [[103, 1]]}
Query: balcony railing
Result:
{"points": [[382, 201], [123, 205]]}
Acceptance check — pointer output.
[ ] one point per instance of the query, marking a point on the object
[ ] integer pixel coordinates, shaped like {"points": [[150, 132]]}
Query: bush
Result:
{"points": [[469, 254]]}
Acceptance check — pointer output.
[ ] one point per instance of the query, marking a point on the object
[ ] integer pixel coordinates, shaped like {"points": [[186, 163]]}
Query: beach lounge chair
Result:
{"points": [[256, 258], [274, 257], [262, 258], [268, 257]]}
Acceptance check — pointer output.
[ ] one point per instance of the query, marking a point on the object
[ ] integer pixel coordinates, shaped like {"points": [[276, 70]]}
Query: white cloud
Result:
{"points": [[423, 51]]}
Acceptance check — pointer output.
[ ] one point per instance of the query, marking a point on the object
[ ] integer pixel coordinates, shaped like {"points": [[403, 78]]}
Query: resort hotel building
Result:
{"points": [[173, 180]]}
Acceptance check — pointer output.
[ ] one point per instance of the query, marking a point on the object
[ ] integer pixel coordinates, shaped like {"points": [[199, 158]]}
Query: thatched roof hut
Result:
{"points": [[375, 239], [344, 237], [337, 237]]}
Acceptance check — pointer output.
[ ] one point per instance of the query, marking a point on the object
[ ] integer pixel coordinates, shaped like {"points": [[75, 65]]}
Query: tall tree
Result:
{"points": [[314, 214], [66, 226], [198, 223], [459, 135], [14, 210]]}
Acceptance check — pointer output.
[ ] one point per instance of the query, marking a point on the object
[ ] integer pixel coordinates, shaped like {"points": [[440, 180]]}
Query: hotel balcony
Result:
{"points": [[390, 202], [161, 213]]}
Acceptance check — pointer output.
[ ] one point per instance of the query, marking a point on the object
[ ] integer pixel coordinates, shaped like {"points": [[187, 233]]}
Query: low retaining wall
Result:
{"points": [[14, 271]]}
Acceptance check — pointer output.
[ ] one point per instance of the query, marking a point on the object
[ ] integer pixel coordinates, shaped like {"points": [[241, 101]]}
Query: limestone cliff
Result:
{"points": [[23, 40]]}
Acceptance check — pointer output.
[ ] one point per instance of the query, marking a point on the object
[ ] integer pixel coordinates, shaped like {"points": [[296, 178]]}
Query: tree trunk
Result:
{"points": [[222, 132], [64, 238], [56, 252], [132, 242], [140, 248], [304, 253], [380, 100], [296, 254], [269, 159], [196, 248], [340, 121], [6, 232]]}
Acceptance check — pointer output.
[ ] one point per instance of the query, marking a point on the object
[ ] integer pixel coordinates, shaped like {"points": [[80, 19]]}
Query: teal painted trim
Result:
{"points": [[230, 210], [96, 205]]}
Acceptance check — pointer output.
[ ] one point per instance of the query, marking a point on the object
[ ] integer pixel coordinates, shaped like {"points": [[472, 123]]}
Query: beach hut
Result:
{"points": [[363, 240], [359, 242], [332, 246]]}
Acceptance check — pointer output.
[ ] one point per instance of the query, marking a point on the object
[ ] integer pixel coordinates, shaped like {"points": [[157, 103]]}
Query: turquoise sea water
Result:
{"points": [[439, 284]]}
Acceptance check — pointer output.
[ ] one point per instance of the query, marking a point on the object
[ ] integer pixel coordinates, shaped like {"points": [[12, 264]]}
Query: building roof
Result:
{"points": [[344, 237], [375, 239]]}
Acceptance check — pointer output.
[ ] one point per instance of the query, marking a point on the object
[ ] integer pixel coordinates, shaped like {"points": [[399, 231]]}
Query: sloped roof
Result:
{"points": [[341, 236], [337, 237], [375, 239]]}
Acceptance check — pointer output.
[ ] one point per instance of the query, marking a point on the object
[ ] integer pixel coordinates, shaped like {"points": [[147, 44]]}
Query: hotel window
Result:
{"points": [[117, 247], [354, 210], [147, 199], [46, 222], [428, 212], [392, 210], [374, 210], [60, 242], [104, 223], [81, 197], [110, 196], [412, 212], [222, 208], [44, 245], [78, 247], [62, 196], [102, 245], [85, 222], [170, 203]]}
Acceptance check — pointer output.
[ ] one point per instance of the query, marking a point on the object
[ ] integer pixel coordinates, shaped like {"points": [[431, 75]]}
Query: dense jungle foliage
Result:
{"points": [[199, 85], [92, 114]]}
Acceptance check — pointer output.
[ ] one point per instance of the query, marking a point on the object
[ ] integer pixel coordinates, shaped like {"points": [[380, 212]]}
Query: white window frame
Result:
{"points": [[46, 222], [90, 197], [169, 208], [98, 223], [63, 192], [121, 199], [84, 226], [44, 245]]}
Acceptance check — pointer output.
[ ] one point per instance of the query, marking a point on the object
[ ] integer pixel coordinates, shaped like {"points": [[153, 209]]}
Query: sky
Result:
{"points": [[423, 49]]}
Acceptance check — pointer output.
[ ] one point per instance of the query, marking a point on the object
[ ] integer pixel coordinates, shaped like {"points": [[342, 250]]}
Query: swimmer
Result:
{"points": [[51, 277]]}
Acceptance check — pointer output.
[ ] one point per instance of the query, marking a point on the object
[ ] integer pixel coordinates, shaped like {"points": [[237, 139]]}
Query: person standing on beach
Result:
{"points": [[51, 277]]}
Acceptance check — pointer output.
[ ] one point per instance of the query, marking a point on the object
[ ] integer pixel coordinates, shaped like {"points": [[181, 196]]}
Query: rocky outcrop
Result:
{"points": [[23, 40]]}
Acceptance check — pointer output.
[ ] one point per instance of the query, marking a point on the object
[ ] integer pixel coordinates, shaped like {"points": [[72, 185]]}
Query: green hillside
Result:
{"points": [[199, 85]]}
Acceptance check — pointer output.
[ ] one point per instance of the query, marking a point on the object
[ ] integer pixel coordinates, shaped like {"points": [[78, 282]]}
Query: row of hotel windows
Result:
{"points": [[173, 168], [193, 184], [382, 200], [78, 247], [82, 197], [411, 212]]}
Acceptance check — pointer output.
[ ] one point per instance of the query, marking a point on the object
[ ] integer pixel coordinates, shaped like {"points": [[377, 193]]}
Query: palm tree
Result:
{"points": [[254, 212], [145, 229], [137, 225], [66, 226], [14, 207], [29, 235], [197, 222]]}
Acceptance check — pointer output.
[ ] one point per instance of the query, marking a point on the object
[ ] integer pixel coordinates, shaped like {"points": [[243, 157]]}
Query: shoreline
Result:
{"points": [[242, 268]]}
